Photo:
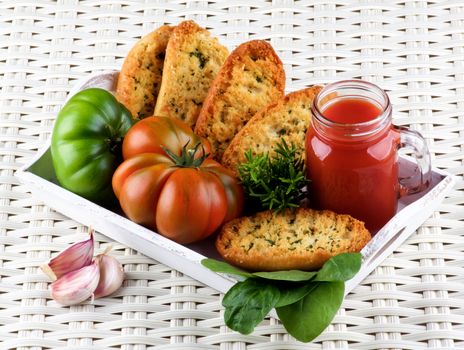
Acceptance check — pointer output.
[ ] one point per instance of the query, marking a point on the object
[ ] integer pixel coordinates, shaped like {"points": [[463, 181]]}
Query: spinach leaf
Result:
{"points": [[306, 302], [309, 316], [291, 294], [289, 275], [341, 267], [223, 267], [247, 303]]}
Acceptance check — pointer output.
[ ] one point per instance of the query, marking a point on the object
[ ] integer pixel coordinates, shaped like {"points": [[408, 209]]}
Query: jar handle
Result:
{"points": [[415, 142]]}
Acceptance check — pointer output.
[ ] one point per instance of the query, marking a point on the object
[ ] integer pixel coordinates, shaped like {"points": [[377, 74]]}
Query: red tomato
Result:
{"points": [[172, 187], [155, 134]]}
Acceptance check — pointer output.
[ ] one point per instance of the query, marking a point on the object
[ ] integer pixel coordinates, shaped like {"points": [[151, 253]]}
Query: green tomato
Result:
{"points": [[86, 143]]}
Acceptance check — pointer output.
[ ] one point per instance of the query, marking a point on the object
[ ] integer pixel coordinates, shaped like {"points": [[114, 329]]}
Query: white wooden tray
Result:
{"points": [[39, 176]]}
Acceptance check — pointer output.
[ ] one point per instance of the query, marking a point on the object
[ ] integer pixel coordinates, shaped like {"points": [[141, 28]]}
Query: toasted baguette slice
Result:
{"points": [[140, 77], [251, 78], [287, 119], [193, 59], [303, 239]]}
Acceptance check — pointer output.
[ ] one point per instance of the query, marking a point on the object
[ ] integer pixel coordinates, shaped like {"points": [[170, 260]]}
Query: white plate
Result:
{"points": [[40, 177]]}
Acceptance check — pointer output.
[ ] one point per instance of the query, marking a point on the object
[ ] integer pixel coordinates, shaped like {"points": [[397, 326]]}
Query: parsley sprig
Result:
{"points": [[277, 181]]}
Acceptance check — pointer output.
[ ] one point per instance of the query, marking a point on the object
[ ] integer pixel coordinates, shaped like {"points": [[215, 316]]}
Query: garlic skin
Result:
{"points": [[76, 286], [111, 275], [74, 257]]}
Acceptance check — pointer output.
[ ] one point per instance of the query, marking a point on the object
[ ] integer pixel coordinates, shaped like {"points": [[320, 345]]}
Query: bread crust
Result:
{"points": [[250, 79], [140, 77], [193, 59], [287, 118], [302, 239]]}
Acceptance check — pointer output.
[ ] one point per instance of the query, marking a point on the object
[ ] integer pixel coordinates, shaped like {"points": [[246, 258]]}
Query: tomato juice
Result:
{"points": [[351, 111], [351, 157]]}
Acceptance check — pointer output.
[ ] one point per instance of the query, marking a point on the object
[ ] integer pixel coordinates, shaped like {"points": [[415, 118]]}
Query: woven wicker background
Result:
{"points": [[414, 49]]}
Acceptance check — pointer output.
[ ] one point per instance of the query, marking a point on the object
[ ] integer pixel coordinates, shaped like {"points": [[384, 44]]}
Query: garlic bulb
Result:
{"points": [[74, 257], [77, 277], [111, 276], [76, 286]]}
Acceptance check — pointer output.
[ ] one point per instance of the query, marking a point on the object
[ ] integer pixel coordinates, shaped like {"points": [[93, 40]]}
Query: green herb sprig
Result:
{"points": [[277, 181], [306, 302]]}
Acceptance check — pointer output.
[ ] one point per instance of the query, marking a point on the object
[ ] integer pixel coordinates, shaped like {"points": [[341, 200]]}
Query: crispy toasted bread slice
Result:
{"points": [[303, 239], [140, 77], [251, 78], [193, 59], [287, 118]]}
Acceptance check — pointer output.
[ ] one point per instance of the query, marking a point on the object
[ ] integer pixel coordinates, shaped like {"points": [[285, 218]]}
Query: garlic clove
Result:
{"points": [[74, 257], [76, 286], [111, 276]]}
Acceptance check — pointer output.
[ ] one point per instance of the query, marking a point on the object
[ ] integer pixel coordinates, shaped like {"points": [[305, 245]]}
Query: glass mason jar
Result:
{"points": [[353, 164]]}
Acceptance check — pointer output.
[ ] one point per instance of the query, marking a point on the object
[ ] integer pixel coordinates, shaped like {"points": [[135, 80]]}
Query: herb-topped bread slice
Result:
{"points": [[193, 59], [251, 78], [300, 239], [140, 77], [287, 118]]}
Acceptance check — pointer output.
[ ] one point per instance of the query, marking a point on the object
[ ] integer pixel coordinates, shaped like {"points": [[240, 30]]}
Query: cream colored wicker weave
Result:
{"points": [[414, 49]]}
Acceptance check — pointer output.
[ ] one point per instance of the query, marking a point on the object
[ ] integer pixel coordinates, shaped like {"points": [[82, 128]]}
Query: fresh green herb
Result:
{"points": [[277, 181], [306, 302], [196, 102], [202, 59]]}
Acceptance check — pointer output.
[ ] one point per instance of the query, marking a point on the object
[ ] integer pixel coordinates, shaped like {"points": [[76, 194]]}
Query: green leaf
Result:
{"points": [[223, 267], [289, 275], [276, 181], [309, 316], [247, 303], [305, 301], [291, 294], [341, 267]]}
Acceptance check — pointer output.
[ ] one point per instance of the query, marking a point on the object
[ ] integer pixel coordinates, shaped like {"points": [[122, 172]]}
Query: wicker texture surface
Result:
{"points": [[413, 49]]}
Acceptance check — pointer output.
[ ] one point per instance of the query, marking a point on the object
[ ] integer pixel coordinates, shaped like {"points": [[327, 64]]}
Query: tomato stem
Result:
{"points": [[187, 158], [115, 147]]}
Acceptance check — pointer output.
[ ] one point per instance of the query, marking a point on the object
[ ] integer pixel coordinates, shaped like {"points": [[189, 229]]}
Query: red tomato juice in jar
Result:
{"points": [[351, 153], [351, 110]]}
